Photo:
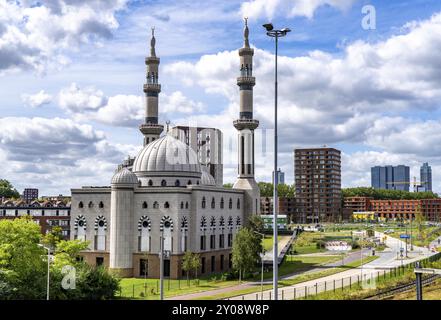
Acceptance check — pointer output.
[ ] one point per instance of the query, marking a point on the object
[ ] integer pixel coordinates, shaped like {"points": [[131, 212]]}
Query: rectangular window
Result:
{"points": [[230, 261], [203, 265], [99, 261], [222, 262], [230, 240], [212, 241], [143, 267], [203, 243], [221, 241], [213, 263]]}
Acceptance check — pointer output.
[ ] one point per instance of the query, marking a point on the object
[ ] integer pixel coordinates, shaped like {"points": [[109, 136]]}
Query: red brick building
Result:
{"points": [[395, 209]]}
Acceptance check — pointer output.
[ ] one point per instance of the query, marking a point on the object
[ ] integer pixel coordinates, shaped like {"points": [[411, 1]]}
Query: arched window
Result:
{"points": [[144, 205], [177, 183], [238, 203], [81, 205], [230, 204], [186, 205], [90, 204], [166, 205], [222, 203], [197, 182], [163, 183], [150, 183], [101, 205], [182, 205], [203, 203], [189, 182], [155, 205], [213, 203]]}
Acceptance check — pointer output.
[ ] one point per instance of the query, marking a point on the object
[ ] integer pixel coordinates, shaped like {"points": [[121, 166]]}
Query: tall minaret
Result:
{"points": [[150, 128], [245, 126]]}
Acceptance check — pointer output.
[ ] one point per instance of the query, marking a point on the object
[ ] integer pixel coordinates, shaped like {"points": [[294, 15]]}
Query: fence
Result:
{"points": [[366, 279], [150, 288]]}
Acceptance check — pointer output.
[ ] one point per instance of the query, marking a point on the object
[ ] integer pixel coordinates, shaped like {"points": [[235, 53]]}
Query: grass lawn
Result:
{"points": [[293, 264], [135, 288], [267, 242], [289, 282]]}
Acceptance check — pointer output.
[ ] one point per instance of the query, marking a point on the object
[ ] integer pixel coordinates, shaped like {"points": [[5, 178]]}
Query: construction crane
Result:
{"points": [[415, 183]]}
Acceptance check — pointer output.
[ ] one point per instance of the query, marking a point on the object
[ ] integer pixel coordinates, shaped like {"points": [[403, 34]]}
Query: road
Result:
{"points": [[388, 259]]}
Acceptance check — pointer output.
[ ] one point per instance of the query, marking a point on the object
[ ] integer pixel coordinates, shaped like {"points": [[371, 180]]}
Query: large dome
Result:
{"points": [[166, 154]]}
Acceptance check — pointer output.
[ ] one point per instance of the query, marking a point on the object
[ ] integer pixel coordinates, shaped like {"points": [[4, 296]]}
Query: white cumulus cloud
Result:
{"points": [[36, 100]]}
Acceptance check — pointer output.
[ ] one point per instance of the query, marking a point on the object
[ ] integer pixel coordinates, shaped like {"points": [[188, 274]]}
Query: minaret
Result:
{"points": [[150, 128], [245, 126]]}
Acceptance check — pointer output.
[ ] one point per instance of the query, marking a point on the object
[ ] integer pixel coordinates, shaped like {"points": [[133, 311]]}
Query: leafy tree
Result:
{"points": [[256, 223], [53, 237], [283, 190], [188, 263], [68, 252], [383, 194], [23, 266], [247, 246], [228, 185], [7, 190]]}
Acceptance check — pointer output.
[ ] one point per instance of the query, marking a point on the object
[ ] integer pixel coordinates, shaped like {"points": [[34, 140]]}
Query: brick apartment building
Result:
{"points": [[318, 185], [395, 209], [46, 214], [287, 206]]}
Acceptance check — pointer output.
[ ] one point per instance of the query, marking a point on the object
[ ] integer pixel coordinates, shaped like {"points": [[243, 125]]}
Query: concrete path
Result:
{"points": [[353, 256], [378, 267]]}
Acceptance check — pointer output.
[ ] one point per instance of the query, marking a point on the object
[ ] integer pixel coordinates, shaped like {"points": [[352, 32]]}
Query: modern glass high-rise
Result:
{"points": [[280, 176], [426, 177], [390, 177]]}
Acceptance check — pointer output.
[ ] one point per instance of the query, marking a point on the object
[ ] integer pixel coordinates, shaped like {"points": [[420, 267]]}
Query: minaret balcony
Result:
{"points": [[151, 128], [250, 124], [246, 81], [246, 51], [152, 87], [152, 60]]}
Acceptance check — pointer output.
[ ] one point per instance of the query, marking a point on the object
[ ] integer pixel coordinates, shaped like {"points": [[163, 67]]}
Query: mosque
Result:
{"points": [[166, 195]]}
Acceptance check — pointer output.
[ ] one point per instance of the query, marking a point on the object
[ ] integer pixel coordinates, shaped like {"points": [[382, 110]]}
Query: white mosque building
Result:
{"points": [[168, 195]]}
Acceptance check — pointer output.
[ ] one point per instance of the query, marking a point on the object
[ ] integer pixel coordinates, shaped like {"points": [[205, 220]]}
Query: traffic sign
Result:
{"points": [[404, 236]]}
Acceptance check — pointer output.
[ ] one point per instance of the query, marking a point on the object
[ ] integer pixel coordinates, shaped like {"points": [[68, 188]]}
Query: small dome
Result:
{"points": [[166, 154], [124, 176], [206, 177]]}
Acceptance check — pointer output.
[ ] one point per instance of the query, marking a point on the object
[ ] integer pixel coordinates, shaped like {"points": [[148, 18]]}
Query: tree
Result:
{"points": [[21, 258], [383, 194], [256, 223], [68, 252], [53, 237], [283, 190], [247, 246], [228, 185], [188, 263], [7, 190], [23, 266]]}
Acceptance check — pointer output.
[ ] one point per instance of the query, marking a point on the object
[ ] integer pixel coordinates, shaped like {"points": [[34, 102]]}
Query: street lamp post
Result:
{"points": [[161, 267], [262, 255], [48, 269], [276, 34]]}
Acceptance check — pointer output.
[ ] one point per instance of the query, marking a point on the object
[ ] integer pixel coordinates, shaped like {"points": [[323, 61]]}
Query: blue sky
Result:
{"points": [[71, 75]]}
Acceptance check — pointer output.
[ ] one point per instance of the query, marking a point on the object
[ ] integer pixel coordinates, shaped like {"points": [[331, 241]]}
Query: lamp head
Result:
{"points": [[286, 30], [268, 26]]}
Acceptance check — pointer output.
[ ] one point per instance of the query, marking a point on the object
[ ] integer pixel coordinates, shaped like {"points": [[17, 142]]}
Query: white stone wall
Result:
{"points": [[91, 214]]}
